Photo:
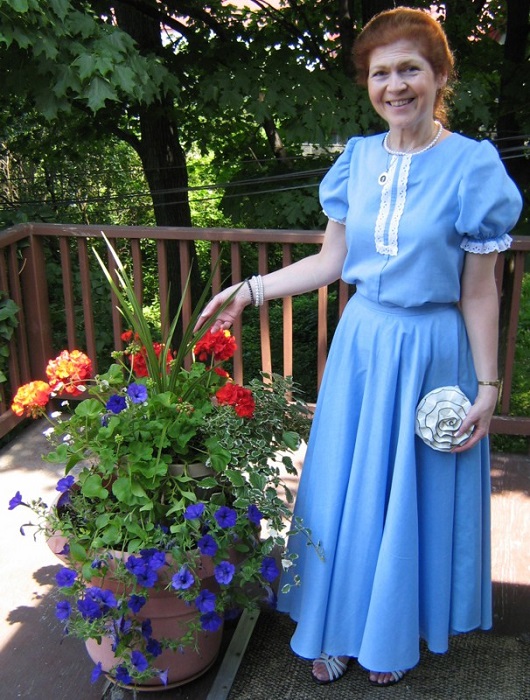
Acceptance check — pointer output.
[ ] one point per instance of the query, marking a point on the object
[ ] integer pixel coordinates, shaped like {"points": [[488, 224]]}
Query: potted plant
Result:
{"points": [[136, 522]]}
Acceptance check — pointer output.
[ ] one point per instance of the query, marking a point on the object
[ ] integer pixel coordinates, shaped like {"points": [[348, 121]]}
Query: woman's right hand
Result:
{"points": [[226, 317]]}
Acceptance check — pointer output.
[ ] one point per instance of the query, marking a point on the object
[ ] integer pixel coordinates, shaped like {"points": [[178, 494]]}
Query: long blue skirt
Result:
{"points": [[405, 530]]}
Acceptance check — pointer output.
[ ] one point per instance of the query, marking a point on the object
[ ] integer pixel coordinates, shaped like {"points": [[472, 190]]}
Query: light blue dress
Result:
{"points": [[405, 529]]}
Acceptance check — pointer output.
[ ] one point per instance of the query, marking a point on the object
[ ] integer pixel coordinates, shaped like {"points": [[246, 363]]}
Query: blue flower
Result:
{"points": [[269, 569], [208, 546], [183, 579], [135, 565], [254, 514], [195, 510], [65, 483], [122, 675], [153, 558], [224, 572], [63, 610], [147, 629], [106, 597], [226, 517], [116, 403], [137, 393], [153, 647], [16, 501], [89, 608], [96, 672], [139, 661], [65, 577], [136, 602], [211, 621], [163, 677], [205, 601]]}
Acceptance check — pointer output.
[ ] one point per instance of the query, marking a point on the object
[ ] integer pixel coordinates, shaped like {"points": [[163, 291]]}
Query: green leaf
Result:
{"points": [[235, 477], [77, 551], [99, 91], [92, 487]]}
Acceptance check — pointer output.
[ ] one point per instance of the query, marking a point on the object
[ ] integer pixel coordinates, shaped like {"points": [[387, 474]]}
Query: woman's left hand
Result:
{"points": [[478, 417]]}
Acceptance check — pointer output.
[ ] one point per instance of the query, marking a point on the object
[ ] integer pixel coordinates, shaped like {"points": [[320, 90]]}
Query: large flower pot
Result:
{"points": [[169, 619]]}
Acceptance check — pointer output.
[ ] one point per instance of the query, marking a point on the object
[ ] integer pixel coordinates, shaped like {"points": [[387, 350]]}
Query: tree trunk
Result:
{"points": [[163, 159], [347, 36]]}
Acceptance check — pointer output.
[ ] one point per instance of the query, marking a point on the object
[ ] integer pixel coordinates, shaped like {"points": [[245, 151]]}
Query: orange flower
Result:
{"points": [[69, 371], [220, 345], [31, 399], [237, 396]]}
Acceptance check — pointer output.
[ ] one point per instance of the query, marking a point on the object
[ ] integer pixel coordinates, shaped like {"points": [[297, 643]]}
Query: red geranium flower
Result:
{"points": [[69, 371], [31, 398], [220, 346], [239, 398]]}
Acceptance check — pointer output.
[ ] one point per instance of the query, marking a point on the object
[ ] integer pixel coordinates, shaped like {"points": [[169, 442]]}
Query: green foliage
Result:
{"points": [[8, 322]]}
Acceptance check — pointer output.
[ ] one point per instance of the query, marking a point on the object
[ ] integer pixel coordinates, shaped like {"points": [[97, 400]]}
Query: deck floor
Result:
{"points": [[35, 663]]}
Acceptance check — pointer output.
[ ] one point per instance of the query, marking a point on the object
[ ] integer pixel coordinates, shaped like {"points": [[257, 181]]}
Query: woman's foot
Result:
{"points": [[384, 679], [327, 669]]}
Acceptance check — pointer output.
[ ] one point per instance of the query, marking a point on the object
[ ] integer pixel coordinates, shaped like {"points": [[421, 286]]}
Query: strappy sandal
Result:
{"points": [[335, 668], [396, 677]]}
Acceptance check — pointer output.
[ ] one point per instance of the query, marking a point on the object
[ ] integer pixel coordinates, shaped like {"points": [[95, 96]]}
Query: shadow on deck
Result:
{"points": [[35, 664]]}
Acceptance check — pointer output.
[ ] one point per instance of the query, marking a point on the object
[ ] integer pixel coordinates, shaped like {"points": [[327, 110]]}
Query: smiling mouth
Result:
{"points": [[400, 103]]}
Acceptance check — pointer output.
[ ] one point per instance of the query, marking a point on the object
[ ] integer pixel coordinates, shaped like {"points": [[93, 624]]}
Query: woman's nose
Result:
{"points": [[396, 82]]}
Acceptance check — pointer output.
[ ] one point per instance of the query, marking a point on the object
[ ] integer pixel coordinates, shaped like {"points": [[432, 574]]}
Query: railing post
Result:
{"points": [[36, 302]]}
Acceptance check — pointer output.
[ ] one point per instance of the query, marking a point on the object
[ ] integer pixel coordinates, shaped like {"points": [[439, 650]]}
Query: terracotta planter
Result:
{"points": [[169, 618]]}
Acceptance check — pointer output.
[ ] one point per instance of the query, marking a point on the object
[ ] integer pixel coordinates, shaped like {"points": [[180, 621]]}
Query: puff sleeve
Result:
{"points": [[334, 186], [489, 202]]}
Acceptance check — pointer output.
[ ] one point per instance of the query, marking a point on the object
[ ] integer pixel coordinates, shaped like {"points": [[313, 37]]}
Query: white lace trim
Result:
{"points": [[472, 245], [391, 247], [384, 211], [331, 218]]}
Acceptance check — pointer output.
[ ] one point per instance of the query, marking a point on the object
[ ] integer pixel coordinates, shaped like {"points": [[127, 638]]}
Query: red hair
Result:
{"points": [[416, 26]]}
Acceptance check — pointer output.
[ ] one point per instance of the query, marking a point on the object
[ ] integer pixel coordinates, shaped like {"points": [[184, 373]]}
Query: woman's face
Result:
{"points": [[402, 85]]}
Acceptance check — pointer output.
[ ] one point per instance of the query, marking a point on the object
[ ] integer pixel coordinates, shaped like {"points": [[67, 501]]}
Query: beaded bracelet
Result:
{"points": [[260, 297], [250, 290]]}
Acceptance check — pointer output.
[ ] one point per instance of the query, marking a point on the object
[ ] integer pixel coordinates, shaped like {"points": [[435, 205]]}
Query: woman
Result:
{"points": [[416, 218]]}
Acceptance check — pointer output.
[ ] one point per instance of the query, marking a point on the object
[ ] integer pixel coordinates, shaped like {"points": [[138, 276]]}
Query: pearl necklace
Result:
{"points": [[384, 175]]}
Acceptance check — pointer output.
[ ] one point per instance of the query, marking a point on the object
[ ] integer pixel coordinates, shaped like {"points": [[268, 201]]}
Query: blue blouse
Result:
{"points": [[407, 232]]}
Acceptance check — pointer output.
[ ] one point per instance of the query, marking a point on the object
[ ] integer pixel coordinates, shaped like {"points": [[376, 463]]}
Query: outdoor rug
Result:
{"points": [[478, 666]]}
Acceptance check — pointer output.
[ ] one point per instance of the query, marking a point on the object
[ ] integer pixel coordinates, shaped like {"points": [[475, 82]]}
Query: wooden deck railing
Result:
{"points": [[26, 249]]}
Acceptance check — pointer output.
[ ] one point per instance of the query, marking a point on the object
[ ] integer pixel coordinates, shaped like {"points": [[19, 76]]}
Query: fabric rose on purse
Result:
{"points": [[439, 415]]}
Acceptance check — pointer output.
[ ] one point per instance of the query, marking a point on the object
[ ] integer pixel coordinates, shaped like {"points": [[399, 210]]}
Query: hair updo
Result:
{"points": [[418, 27]]}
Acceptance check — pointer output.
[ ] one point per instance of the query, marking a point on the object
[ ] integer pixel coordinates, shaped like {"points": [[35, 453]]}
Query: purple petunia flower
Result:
{"points": [[269, 569], [147, 629], [226, 517], [135, 565], [183, 579], [153, 558], [205, 601], [137, 393], [65, 483], [116, 403], [96, 672], [106, 597], [224, 572], [163, 676], [65, 577], [16, 501], [139, 661], [63, 610], [195, 510], [153, 647], [122, 675], [208, 546], [136, 602], [254, 514], [211, 621], [89, 608]]}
